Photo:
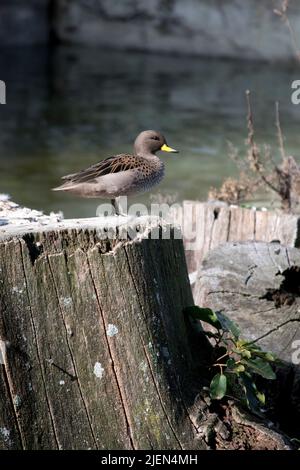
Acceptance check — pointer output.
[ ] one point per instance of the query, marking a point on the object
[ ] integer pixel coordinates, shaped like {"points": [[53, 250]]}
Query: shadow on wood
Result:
{"points": [[207, 225], [93, 341], [258, 286], [95, 349]]}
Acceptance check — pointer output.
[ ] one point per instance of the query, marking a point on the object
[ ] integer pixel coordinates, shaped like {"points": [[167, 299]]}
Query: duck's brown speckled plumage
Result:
{"points": [[121, 175]]}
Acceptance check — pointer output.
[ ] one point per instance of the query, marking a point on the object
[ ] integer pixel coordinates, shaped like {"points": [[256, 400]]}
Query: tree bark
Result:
{"points": [[207, 225], [94, 342], [95, 349], [258, 286]]}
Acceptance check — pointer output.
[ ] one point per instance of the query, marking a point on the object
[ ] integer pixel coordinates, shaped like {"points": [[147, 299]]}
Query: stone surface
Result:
{"points": [[231, 28], [257, 285], [24, 23]]}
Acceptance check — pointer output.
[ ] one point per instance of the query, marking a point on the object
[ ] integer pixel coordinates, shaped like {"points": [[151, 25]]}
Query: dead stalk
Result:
{"points": [[282, 12]]}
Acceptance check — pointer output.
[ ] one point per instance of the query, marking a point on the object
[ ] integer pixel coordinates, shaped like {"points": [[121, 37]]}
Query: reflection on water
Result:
{"points": [[68, 108]]}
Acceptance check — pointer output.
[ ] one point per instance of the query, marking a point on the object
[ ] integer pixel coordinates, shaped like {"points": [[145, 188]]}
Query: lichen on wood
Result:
{"points": [[96, 351]]}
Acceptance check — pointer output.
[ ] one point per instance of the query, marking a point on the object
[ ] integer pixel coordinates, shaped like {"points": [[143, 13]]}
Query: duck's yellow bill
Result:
{"points": [[166, 148]]}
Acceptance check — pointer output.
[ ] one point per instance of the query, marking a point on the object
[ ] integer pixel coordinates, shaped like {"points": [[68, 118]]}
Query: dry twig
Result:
{"points": [[260, 171], [282, 12]]}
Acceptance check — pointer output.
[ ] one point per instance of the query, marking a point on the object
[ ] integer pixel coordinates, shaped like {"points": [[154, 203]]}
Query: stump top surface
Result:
{"points": [[16, 221]]}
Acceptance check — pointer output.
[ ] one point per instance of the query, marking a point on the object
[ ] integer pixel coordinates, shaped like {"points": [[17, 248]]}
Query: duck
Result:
{"points": [[123, 174]]}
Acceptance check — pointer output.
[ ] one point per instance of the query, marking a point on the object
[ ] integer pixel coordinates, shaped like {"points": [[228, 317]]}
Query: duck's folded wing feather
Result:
{"points": [[110, 165]]}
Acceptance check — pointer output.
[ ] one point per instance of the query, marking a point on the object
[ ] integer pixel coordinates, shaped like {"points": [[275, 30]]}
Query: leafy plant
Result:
{"points": [[235, 360]]}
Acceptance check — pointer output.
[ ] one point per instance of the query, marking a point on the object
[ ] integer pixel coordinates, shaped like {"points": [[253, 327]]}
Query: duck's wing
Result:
{"points": [[116, 164]]}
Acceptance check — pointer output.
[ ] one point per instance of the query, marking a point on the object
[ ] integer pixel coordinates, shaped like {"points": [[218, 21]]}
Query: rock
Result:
{"points": [[24, 23], [257, 285], [235, 28]]}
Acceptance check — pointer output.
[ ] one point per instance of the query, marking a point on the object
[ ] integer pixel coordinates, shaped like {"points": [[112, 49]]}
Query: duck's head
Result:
{"points": [[151, 142]]}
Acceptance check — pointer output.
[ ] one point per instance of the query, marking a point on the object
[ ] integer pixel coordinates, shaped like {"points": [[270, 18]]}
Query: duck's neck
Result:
{"points": [[147, 155]]}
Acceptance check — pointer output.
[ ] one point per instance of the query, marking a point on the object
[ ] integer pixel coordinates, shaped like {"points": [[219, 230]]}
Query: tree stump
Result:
{"points": [[258, 286], [95, 351], [93, 340], [207, 225]]}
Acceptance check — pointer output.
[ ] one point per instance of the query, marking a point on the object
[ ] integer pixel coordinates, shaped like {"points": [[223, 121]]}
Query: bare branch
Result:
{"points": [[258, 170], [254, 153], [279, 133], [282, 12]]}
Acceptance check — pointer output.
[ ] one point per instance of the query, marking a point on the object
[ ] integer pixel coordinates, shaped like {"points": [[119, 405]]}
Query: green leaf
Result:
{"points": [[204, 314], [246, 353], [256, 350], [218, 386], [239, 368], [250, 391], [228, 325], [267, 356], [252, 346], [261, 367], [270, 357], [261, 397], [237, 351], [230, 363]]}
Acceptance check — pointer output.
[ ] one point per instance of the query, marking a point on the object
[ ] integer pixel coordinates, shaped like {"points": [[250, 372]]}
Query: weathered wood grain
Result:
{"points": [[207, 225], [97, 353], [94, 345], [255, 284], [258, 286]]}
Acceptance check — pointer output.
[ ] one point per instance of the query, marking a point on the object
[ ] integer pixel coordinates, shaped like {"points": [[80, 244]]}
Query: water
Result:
{"points": [[69, 107]]}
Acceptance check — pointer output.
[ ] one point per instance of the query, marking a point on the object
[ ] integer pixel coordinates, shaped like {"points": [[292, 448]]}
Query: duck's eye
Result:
{"points": [[155, 137]]}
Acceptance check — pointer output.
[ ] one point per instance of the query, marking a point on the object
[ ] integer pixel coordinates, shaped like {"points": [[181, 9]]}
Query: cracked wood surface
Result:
{"points": [[247, 282], [93, 344], [207, 225], [258, 286], [93, 340]]}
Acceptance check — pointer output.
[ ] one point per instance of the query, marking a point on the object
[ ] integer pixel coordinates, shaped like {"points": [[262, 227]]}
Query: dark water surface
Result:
{"points": [[69, 107]]}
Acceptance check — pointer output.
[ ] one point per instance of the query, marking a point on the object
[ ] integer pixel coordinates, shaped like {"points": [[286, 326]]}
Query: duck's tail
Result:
{"points": [[63, 187]]}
